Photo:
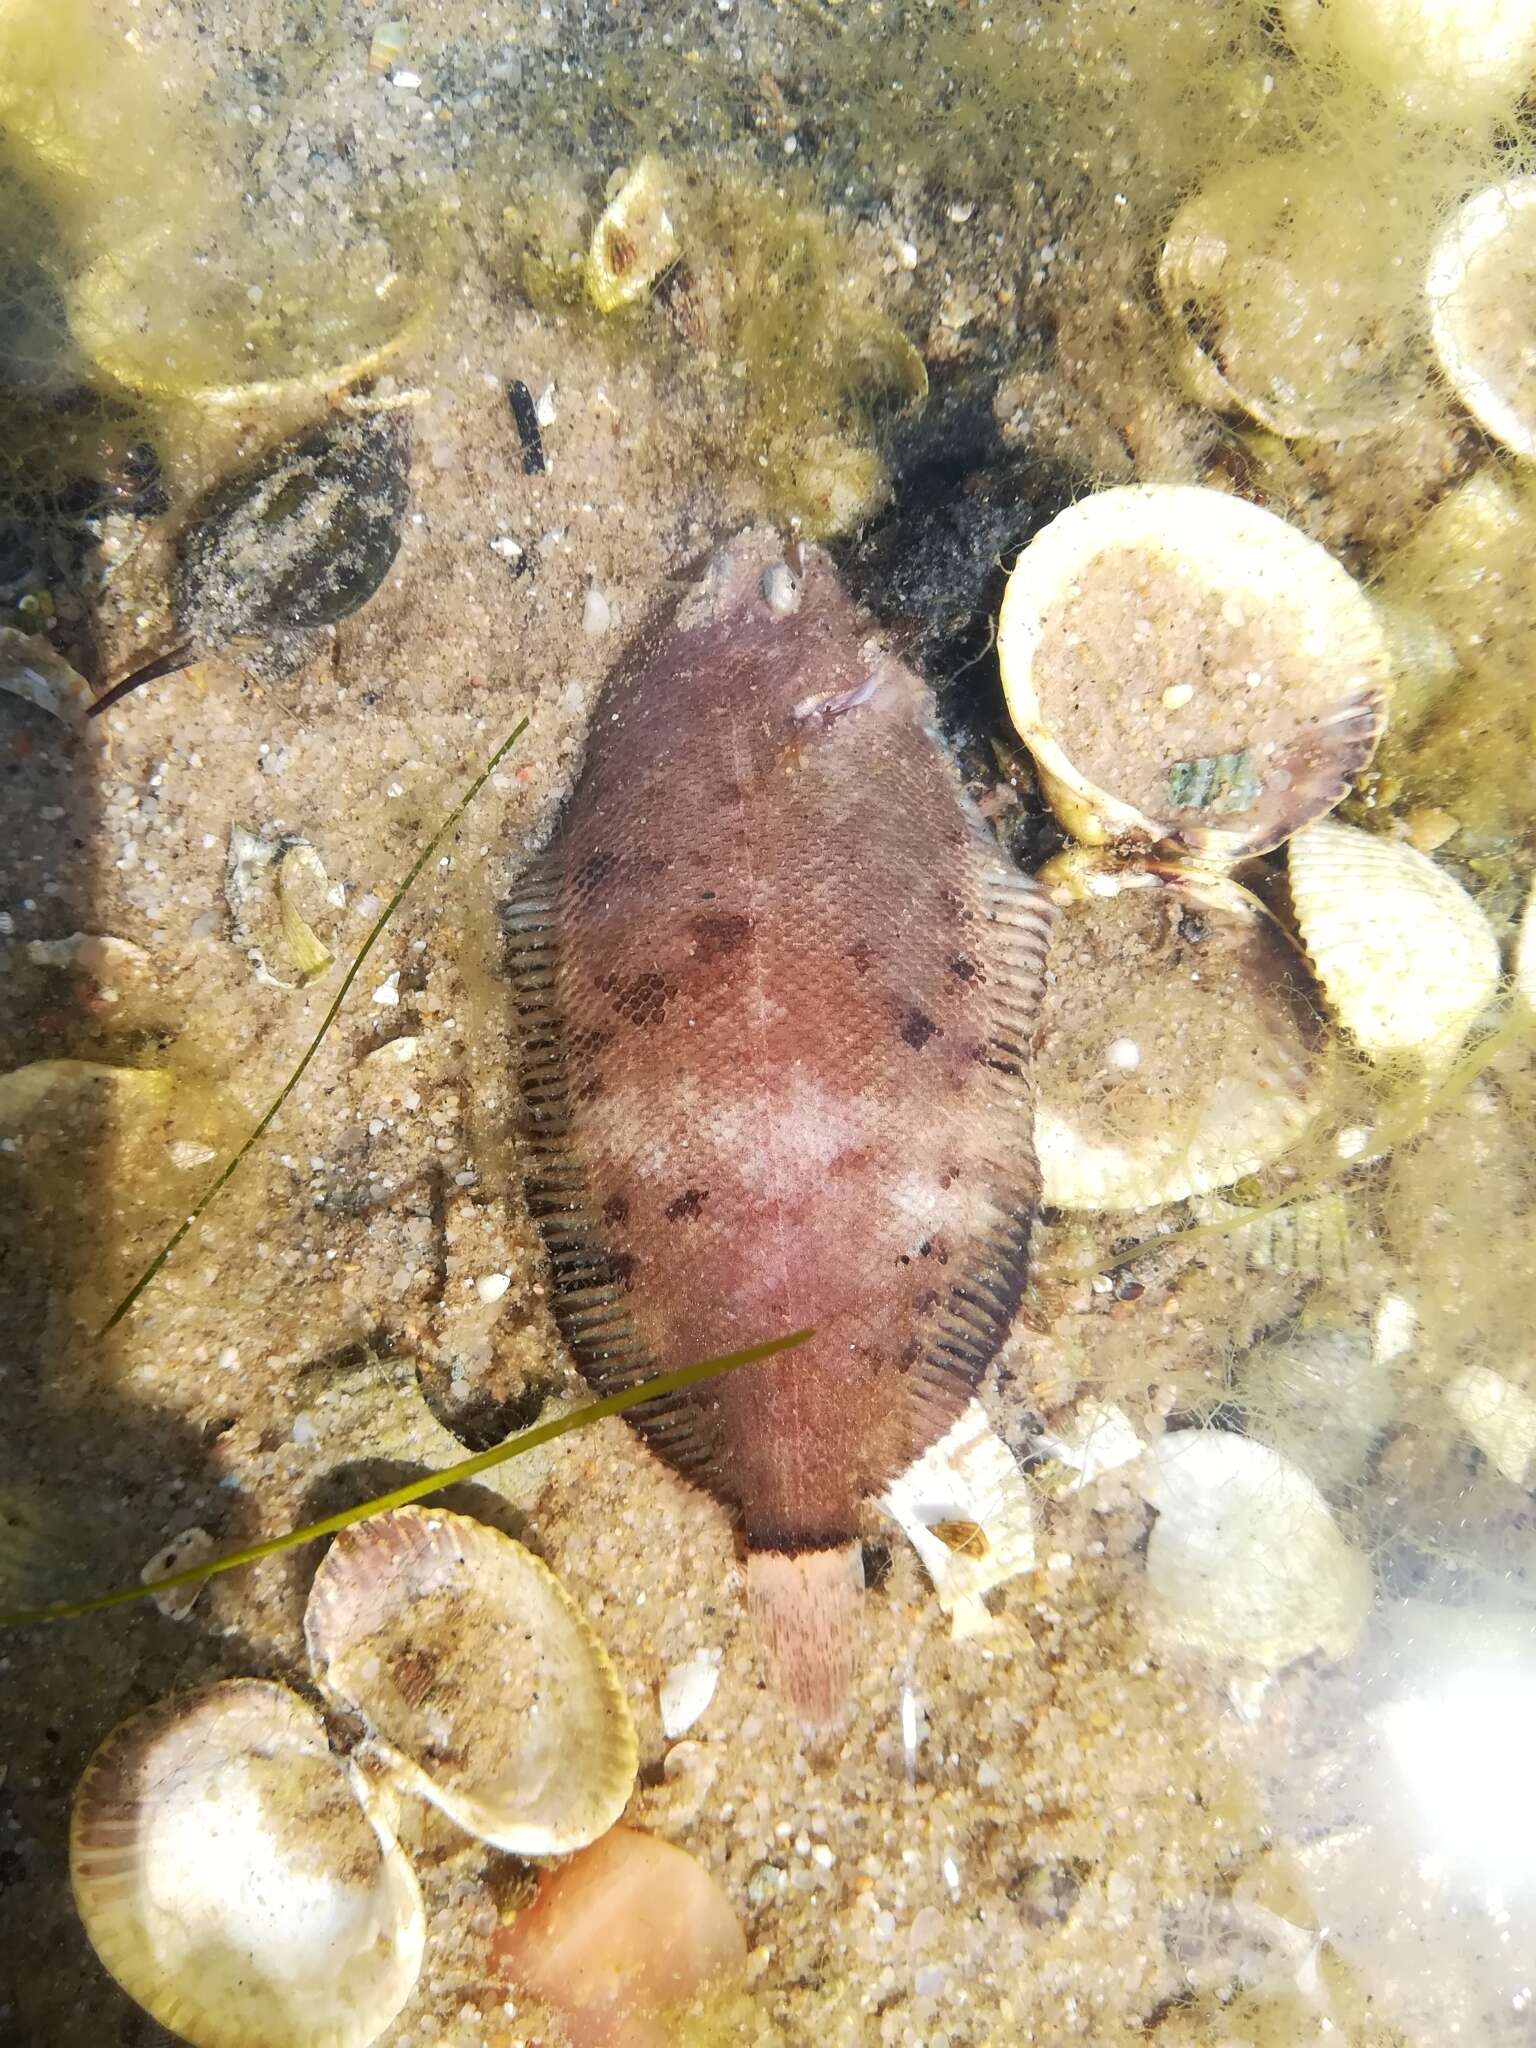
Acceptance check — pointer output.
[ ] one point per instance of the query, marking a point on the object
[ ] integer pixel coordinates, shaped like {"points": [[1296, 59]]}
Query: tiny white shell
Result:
{"points": [[966, 1508], [1111, 611], [1479, 288], [1231, 1066], [1098, 1438], [1499, 1417], [485, 1689], [234, 1877], [687, 1690], [1245, 1561], [1405, 957]]}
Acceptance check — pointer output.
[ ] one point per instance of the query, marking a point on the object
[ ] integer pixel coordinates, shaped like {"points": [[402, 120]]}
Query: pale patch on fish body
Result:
{"points": [[777, 983]]}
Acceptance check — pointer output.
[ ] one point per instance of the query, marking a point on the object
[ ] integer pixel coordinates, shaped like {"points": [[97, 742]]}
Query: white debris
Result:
{"points": [[1245, 1561], [1098, 1439], [387, 994], [1393, 1328], [492, 1286], [966, 1508], [596, 612], [687, 1690], [1124, 1055], [1498, 1416], [185, 1154], [30, 668], [192, 1546]]}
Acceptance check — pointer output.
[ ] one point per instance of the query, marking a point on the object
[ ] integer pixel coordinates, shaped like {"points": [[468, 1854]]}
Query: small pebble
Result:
{"points": [[1177, 695], [492, 1286], [1124, 1054], [687, 1690], [387, 994], [596, 612], [781, 589], [192, 1546]]}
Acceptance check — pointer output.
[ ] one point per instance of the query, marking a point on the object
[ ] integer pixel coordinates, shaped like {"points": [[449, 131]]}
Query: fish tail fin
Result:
{"points": [[807, 1610]]}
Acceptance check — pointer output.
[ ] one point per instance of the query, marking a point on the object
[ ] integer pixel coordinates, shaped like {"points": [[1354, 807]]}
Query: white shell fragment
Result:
{"points": [[1213, 993], [486, 1691], [1098, 1438], [1405, 957], [1499, 1417], [1525, 954], [32, 669], [687, 1690], [1309, 1237], [1245, 1561], [634, 242], [1189, 670], [966, 1508], [192, 1546], [1481, 287], [1439, 60], [273, 888], [231, 1879]]}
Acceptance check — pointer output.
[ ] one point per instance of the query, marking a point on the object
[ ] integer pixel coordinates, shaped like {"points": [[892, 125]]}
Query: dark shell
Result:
{"points": [[302, 541]]}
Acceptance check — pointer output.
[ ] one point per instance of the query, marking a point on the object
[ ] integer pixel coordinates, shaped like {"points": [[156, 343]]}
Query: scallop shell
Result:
{"points": [[1284, 281], [1481, 287], [1189, 670], [634, 242], [1439, 60], [485, 1689], [1245, 1561], [1405, 957], [1178, 1047], [233, 1881]]}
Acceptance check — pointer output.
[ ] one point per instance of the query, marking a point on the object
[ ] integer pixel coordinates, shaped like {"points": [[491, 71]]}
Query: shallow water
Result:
{"points": [[916, 313]]}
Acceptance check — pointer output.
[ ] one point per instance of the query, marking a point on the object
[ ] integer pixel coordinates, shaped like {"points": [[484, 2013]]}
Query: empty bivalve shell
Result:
{"points": [[1481, 288], [484, 1688], [1179, 1046], [1189, 671], [232, 1879]]}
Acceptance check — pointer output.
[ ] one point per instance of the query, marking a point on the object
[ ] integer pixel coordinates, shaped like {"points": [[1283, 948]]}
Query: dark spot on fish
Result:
{"points": [[688, 1203], [616, 1209], [588, 1089], [622, 1267], [861, 953], [718, 934], [730, 792], [640, 1000], [926, 1301], [965, 969], [917, 1028]]}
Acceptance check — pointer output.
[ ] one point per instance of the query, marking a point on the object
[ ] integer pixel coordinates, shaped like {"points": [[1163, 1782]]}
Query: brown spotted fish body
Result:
{"points": [[777, 983]]}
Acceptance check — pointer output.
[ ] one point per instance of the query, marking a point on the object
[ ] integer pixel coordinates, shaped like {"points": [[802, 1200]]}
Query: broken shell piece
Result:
{"points": [[1192, 971], [32, 669], [485, 1689], [1439, 60], [965, 1506], [1525, 954], [1405, 957], [1285, 283], [270, 885], [105, 959], [237, 323], [233, 1882], [1499, 1417], [85, 1087], [687, 1690], [1245, 1561], [1309, 1238], [634, 242], [1097, 1438], [192, 1546], [620, 1940], [1189, 670], [1481, 288]]}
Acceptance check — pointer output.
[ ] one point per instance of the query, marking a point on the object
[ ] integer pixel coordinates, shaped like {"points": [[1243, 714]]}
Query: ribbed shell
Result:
{"points": [[1405, 957], [484, 1687], [232, 1881]]}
